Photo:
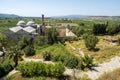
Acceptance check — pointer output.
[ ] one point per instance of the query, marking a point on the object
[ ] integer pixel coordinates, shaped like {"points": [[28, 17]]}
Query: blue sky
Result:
{"points": [[60, 7]]}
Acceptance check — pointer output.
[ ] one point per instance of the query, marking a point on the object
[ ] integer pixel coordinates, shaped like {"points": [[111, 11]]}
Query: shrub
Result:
{"points": [[41, 40], [31, 69], [5, 67], [99, 29], [2, 72], [114, 29], [72, 62], [86, 62], [52, 34], [29, 50], [91, 42], [58, 69], [118, 41], [71, 39], [25, 40], [47, 56], [59, 53]]}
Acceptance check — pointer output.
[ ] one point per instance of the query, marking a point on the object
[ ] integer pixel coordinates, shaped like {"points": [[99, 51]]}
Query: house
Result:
{"points": [[65, 32]]}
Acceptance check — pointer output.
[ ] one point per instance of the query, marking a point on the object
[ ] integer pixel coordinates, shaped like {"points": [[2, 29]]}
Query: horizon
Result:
{"points": [[29, 8]]}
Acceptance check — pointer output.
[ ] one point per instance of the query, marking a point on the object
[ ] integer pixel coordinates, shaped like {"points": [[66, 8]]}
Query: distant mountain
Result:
{"points": [[8, 16], [70, 16]]}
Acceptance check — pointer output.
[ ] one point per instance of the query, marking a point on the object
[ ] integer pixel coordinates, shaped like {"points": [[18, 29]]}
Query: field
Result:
{"points": [[106, 49], [114, 75]]}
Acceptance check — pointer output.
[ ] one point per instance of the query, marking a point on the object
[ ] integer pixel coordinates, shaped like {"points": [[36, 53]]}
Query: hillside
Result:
{"points": [[70, 16], [8, 16]]}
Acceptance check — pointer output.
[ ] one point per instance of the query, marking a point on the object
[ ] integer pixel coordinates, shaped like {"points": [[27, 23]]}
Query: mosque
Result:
{"points": [[32, 29]]}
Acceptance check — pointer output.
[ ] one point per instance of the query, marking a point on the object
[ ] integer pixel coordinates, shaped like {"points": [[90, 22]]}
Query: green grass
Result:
{"points": [[18, 76], [106, 52], [56, 48]]}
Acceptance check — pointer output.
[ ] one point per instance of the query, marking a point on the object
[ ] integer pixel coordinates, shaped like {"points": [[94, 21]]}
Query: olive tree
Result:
{"points": [[91, 42]]}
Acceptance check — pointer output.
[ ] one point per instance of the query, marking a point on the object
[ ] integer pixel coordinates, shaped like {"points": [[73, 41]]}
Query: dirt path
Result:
{"points": [[12, 72], [98, 70], [79, 50], [104, 68], [36, 60]]}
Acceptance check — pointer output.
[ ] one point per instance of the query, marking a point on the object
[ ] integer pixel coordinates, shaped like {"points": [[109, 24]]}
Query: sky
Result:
{"points": [[60, 7]]}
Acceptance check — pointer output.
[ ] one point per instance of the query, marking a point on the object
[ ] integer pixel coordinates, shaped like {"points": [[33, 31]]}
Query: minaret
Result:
{"points": [[43, 20], [42, 27]]}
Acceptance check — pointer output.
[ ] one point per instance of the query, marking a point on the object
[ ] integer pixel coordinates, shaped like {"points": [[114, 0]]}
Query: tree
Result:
{"points": [[15, 54], [113, 29], [29, 50], [72, 62], [52, 34], [91, 42], [47, 56], [99, 29], [25, 40], [3, 41], [77, 30], [41, 40]]}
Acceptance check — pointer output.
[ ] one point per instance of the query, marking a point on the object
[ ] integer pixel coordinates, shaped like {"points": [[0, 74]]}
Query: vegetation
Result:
{"points": [[52, 35], [86, 62], [18, 76], [29, 50], [114, 75], [3, 41], [47, 56], [91, 42], [5, 67], [15, 54], [41, 69], [99, 29], [26, 44], [77, 30], [41, 40], [118, 41], [25, 41], [57, 52], [113, 29]]}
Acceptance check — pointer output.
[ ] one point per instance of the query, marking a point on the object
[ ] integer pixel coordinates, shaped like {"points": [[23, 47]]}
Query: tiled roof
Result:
{"points": [[69, 33], [15, 29], [29, 29]]}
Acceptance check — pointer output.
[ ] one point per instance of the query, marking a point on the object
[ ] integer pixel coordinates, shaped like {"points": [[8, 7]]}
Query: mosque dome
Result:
{"points": [[21, 23], [30, 23]]}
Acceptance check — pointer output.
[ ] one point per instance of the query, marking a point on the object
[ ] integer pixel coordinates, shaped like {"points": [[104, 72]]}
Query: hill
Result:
{"points": [[70, 16], [8, 16]]}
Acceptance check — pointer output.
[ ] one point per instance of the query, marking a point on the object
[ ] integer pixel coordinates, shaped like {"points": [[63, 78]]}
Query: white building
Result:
{"points": [[21, 29]]}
